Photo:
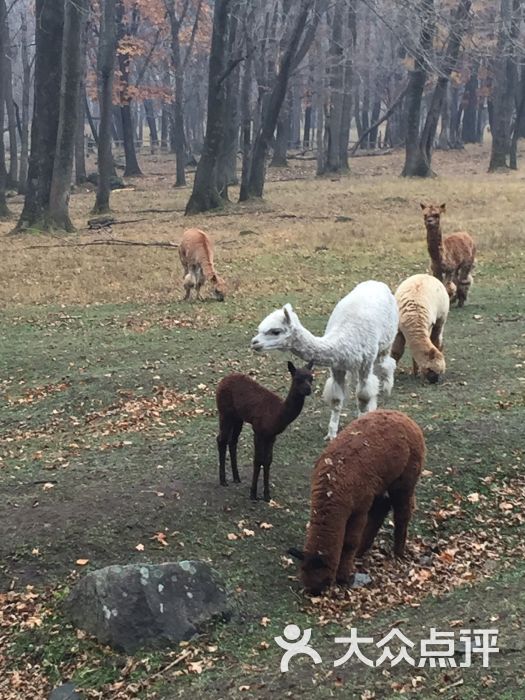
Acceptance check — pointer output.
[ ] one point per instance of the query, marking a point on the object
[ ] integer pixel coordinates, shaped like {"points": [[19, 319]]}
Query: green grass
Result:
{"points": [[108, 437]]}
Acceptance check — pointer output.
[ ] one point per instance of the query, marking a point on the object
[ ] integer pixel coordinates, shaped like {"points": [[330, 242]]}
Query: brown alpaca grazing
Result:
{"points": [[452, 258], [372, 465], [196, 256], [240, 400]]}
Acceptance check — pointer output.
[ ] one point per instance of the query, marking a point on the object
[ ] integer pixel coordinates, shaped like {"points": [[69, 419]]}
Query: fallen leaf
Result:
{"points": [[82, 562], [139, 547], [232, 536]]}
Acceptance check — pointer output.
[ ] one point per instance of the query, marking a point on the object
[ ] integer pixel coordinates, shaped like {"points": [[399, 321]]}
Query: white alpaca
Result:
{"points": [[357, 340]]}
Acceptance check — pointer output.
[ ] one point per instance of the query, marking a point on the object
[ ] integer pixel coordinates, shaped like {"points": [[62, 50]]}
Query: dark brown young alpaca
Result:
{"points": [[240, 400], [452, 258], [371, 466]]}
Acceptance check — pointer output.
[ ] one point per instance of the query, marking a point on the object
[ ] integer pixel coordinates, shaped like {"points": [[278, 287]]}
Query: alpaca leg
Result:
{"points": [[463, 286], [232, 444], [355, 527], [398, 348], [415, 368], [222, 444], [384, 369], [258, 460], [268, 457], [367, 391], [188, 283], [403, 503], [334, 396], [436, 335], [376, 517]]}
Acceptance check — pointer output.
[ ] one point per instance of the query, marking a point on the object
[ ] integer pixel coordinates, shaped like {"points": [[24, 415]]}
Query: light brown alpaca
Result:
{"points": [[423, 309], [452, 258], [196, 256]]}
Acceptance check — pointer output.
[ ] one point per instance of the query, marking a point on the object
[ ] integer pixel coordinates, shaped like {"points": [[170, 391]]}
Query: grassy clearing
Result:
{"points": [[108, 434]]}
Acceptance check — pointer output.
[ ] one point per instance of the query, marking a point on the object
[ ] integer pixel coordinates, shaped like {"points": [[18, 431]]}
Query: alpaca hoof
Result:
{"points": [[236, 479], [253, 496], [344, 580], [329, 436], [223, 482], [266, 497]]}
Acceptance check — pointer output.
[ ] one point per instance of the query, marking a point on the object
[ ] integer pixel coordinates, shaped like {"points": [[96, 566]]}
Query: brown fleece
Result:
{"points": [[373, 464], [240, 400], [196, 255], [452, 258]]}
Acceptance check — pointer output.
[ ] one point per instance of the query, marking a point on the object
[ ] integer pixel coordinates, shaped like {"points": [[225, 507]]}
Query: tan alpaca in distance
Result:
{"points": [[196, 256], [423, 305], [452, 258]]}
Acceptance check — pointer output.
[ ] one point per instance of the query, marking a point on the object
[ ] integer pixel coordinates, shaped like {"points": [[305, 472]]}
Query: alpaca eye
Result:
{"points": [[275, 331]]}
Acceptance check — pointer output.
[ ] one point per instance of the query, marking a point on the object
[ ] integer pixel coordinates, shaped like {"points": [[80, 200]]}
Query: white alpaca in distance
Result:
{"points": [[357, 340]]}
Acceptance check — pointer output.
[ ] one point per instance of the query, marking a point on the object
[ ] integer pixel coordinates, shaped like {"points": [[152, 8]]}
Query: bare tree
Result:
{"points": [[205, 193], [105, 64], [4, 211]]}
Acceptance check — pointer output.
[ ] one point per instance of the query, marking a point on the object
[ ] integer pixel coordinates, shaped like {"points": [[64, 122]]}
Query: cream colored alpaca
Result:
{"points": [[196, 256], [423, 305]]}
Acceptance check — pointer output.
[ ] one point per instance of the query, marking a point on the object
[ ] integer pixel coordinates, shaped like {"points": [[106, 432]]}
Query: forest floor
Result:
{"points": [[108, 434]]}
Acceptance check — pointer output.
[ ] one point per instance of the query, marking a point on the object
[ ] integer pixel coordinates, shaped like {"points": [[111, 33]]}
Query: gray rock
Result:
{"points": [[360, 580], [147, 605], [66, 691]]}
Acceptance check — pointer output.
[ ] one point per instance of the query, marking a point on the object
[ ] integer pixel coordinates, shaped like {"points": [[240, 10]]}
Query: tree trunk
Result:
{"points": [[227, 161], [164, 127], [444, 136], [105, 65], [26, 92], [132, 168], [80, 140], [178, 140], [152, 125], [12, 175], [348, 87], [74, 16], [205, 194], [334, 116], [4, 211], [504, 83], [416, 85], [262, 140], [44, 128], [470, 100], [282, 139], [90, 119], [246, 120]]}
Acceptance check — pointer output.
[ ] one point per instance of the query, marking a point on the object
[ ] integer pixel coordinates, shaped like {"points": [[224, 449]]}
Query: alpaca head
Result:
{"points": [[219, 287], [302, 378], [432, 214], [276, 330], [434, 368], [316, 575]]}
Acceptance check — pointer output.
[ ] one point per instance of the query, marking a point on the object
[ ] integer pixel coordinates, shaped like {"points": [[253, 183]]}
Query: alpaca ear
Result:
{"points": [[310, 365], [287, 310], [291, 368], [297, 553], [423, 206], [442, 207]]}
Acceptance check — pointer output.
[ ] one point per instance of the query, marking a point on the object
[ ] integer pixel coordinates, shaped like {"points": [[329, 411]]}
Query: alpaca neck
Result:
{"points": [[208, 269], [435, 247], [290, 409], [310, 347], [420, 349]]}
